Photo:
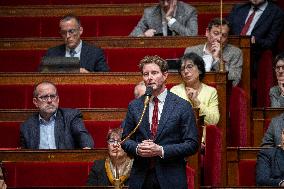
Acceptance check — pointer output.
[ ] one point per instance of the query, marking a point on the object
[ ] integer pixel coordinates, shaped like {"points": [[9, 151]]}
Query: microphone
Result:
{"points": [[148, 94]]}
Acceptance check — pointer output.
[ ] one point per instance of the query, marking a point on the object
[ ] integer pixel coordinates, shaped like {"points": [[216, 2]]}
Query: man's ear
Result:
{"points": [[35, 102], [81, 30]]}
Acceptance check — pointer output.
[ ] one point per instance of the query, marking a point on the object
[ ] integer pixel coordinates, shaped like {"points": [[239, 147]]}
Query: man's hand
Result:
{"points": [[216, 50], [87, 148], [2, 184], [280, 84], [252, 39], [149, 149], [171, 10], [83, 70], [149, 33]]}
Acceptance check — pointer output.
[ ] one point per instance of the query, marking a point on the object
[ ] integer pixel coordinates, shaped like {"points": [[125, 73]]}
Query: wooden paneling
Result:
{"points": [[260, 116], [101, 9]]}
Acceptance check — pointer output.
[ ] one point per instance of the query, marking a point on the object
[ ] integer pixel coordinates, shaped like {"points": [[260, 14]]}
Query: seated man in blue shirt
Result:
{"points": [[53, 127]]}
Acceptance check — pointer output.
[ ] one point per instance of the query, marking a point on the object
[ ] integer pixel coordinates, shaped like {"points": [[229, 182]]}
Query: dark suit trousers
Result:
{"points": [[151, 181]]}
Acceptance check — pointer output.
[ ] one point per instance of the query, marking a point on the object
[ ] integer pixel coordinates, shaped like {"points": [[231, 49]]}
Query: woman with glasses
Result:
{"points": [[198, 94], [277, 92], [116, 165]]}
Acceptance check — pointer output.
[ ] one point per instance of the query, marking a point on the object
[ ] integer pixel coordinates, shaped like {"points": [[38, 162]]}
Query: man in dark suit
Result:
{"points": [[265, 27], [92, 58], [270, 165], [53, 127], [166, 136]]}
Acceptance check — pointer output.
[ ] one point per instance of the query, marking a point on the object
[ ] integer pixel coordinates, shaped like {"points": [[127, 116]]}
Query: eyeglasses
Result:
{"points": [[277, 68], [70, 32], [113, 141], [188, 67], [46, 97]]}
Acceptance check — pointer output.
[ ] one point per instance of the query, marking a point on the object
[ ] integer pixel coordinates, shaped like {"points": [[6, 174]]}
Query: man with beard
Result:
{"points": [[92, 58], [166, 136], [53, 127]]}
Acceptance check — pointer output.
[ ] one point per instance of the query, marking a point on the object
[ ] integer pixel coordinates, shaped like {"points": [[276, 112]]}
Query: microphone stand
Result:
{"points": [[146, 102], [117, 184]]}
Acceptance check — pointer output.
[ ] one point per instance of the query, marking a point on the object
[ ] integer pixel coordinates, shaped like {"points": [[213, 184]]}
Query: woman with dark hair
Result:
{"points": [[117, 164], [200, 95], [277, 92]]}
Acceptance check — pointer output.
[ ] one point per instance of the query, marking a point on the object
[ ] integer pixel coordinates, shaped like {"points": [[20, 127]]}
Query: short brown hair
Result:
{"points": [[156, 60], [217, 22], [114, 131]]}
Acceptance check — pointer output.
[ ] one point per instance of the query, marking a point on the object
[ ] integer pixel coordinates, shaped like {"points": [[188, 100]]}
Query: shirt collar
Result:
{"points": [[77, 49], [42, 121], [161, 97], [261, 7]]}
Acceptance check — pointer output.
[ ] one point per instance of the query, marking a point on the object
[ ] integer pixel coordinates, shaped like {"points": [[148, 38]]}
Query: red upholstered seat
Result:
{"points": [[20, 27], [13, 96], [10, 134], [74, 95], [99, 130], [190, 174], [119, 60], [20, 60], [247, 173], [237, 131], [212, 158], [107, 96], [70, 96], [265, 78], [27, 174]]}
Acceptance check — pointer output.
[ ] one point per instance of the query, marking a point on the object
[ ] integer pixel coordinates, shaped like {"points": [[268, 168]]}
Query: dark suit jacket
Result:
{"points": [[270, 167], [91, 58], [266, 30], [272, 136], [177, 133], [98, 176], [70, 132]]}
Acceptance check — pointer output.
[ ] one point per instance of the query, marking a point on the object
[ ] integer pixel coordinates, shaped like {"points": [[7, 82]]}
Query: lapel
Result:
{"points": [[84, 54], [180, 12], [167, 110], [157, 19], [265, 15], [36, 132], [243, 15], [59, 128], [145, 125], [62, 50]]}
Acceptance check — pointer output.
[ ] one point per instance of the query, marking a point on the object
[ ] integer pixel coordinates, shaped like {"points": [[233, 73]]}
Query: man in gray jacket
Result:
{"points": [[168, 18], [211, 50], [53, 127]]}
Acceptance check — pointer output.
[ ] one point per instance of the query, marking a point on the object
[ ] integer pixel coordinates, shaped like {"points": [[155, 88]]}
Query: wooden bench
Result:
{"points": [[97, 19], [261, 118], [241, 163], [29, 52], [81, 2]]}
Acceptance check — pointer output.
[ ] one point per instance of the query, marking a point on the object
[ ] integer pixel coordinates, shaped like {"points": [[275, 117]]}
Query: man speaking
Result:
{"points": [[167, 133]]}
